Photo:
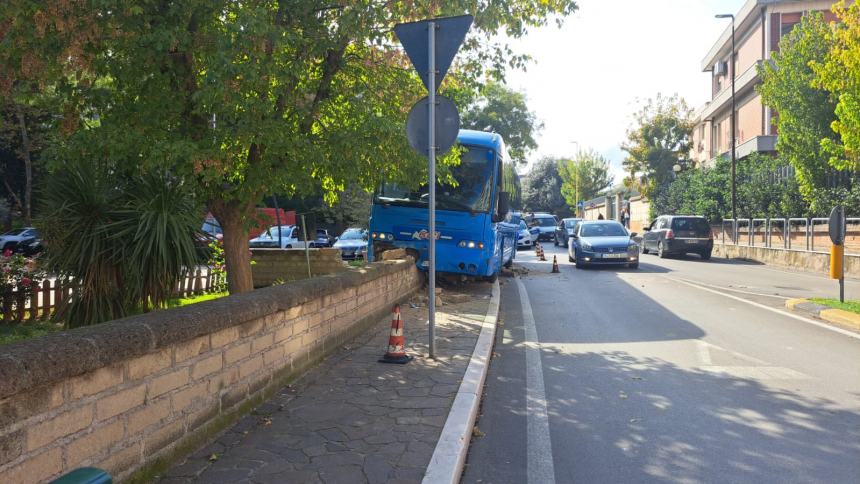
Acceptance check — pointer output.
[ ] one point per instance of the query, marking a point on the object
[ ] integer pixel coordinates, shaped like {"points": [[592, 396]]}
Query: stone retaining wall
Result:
{"points": [[288, 265], [801, 260], [140, 391]]}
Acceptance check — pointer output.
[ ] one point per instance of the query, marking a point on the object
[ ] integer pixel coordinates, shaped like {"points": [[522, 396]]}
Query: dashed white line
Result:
{"points": [[539, 463]]}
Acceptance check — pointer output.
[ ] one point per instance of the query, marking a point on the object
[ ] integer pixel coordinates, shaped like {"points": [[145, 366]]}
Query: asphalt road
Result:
{"points": [[681, 371]]}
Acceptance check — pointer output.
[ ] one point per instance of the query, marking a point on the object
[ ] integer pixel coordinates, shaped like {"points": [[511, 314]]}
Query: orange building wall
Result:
{"points": [[749, 51], [750, 120]]}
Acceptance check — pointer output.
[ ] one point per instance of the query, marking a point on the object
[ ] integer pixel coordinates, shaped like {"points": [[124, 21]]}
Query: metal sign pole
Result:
{"points": [[431, 155], [307, 245]]}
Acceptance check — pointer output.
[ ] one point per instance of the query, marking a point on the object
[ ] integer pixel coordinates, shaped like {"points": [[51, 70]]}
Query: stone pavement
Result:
{"points": [[352, 419]]}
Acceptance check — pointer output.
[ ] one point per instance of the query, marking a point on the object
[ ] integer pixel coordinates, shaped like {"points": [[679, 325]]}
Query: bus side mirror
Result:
{"points": [[503, 207]]}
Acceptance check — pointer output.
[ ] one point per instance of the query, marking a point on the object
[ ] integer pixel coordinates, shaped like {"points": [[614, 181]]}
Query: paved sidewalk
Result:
{"points": [[353, 420]]}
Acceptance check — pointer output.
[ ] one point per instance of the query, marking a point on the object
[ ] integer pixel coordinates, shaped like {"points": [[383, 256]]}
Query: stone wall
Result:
{"points": [[140, 391], [288, 265], [818, 262]]}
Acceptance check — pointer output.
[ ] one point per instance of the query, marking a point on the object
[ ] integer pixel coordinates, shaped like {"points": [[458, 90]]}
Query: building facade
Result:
{"points": [[759, 26]]}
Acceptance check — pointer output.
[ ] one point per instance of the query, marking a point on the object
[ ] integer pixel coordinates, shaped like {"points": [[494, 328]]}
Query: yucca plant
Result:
{"points": [[123, 241]]}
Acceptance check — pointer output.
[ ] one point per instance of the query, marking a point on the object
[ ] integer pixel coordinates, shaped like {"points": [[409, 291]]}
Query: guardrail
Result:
{"points": [[794, 233]]}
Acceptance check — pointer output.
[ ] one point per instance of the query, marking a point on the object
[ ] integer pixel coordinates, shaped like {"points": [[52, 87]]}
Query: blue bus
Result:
{"points": [[474, 233]]}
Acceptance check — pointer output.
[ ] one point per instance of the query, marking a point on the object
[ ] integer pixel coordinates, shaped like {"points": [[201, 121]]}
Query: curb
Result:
{"points": [[834, 316], [449, 456]]}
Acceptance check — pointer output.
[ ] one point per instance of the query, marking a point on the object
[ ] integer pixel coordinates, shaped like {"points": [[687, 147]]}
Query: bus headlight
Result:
{"points": [[470, 244], [381, 236]]}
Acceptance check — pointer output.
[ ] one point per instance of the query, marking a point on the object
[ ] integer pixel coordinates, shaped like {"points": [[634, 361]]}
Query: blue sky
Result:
{"points": [[589, 75]]}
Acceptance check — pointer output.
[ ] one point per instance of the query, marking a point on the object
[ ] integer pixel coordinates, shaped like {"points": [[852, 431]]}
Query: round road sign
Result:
{"points": [[447, 125]]}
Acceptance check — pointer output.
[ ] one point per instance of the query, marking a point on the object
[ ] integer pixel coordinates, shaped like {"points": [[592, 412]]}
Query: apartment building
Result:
{"points": [[759, 26]]}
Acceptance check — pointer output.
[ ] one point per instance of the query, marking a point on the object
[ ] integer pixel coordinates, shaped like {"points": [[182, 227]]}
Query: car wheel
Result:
{"points": [[579, 263], [644, 247], [569, 258], [661, 253], [289, 246], [556, 241], [633, 265], [706, 255]]}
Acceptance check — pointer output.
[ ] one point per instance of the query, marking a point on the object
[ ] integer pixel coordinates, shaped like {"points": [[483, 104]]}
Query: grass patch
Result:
{"points": [[185, 301], [850, 306], [10, 333], [357, 263]]}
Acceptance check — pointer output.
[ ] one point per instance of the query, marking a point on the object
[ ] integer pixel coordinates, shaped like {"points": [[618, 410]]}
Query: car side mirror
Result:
{"points": [[646, 229], [504, 205], [633, 234]]}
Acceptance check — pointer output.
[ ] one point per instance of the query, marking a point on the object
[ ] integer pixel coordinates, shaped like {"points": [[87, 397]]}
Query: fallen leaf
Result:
{"points": [[213, 457], [477, 432]]}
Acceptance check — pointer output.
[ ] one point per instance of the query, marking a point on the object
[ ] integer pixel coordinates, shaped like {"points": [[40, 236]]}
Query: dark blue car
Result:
{"points": [[602, 242]]}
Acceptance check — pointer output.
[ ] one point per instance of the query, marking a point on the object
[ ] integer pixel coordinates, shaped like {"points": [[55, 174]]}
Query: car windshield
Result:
{"points": [[570, 223], [15, 232], [471, 192], [697, 225], [545, 221], [603, 230], [352, 235], [272, 233]]}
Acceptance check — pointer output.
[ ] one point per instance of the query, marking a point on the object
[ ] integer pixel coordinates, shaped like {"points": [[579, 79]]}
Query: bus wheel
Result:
{"points": [[491, 279]]}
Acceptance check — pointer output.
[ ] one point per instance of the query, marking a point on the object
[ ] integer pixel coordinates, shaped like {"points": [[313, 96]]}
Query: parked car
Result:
{"points": [[564, 230], [290, 237], [525, 238], [546, 224], [679, 234], [603, 242], [13, 238], [324, 239], [352, 244], [212, 227]]}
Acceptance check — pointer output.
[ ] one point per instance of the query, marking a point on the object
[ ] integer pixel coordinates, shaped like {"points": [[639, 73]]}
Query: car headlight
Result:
{"points": [[632, 248], [586, 246]]}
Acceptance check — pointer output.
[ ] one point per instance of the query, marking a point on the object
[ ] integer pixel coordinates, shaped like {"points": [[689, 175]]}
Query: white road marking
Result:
{"points": [[704, 352], [539, 464], [773, 310]]}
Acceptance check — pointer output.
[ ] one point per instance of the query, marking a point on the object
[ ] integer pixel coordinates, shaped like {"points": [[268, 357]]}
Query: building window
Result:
{"points": [[786, 28]]}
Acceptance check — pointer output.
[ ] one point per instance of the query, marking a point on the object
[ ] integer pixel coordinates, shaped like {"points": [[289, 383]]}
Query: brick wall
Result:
{"points": [[288, 265], [123, 394]]}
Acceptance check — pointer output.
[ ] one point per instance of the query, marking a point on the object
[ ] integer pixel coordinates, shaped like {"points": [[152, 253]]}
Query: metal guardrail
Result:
{"points": [[766, 232]]}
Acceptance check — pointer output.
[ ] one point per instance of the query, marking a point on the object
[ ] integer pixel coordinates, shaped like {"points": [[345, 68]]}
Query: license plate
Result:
{"points": [[614, 256], [692, 241]]}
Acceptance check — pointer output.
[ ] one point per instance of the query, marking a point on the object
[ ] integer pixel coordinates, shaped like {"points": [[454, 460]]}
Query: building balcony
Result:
{"points": [[723, 99], [758, 144]]}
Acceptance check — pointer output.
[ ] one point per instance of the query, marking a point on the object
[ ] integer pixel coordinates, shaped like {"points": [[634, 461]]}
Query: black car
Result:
{"points": [[565, 229], [679, 234]]}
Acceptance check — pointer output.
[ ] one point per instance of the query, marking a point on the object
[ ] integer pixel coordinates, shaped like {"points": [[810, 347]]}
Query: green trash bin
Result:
{"points": [[84, 475]]}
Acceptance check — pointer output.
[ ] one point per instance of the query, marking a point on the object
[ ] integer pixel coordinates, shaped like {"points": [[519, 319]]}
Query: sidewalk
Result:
{"points": [[352, 419]]}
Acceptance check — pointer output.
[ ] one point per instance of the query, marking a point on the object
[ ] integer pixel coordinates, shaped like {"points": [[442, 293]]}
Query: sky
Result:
{"points": [[589, 75]]}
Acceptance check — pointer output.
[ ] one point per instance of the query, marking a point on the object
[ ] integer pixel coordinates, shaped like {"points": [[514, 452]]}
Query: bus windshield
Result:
{"points": [[474, 176]]}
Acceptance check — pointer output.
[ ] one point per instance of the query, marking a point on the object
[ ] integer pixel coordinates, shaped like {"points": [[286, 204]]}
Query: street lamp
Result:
{"points": [[734, 160], [576, 178]]}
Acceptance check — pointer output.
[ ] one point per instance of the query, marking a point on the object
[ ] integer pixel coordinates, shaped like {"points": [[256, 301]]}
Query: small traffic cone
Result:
{"points": [[555, 265], [396, 341], [541, 256]]}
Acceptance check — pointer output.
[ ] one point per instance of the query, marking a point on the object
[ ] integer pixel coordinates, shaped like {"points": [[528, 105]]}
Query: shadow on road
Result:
{"points": [[687, 425]]}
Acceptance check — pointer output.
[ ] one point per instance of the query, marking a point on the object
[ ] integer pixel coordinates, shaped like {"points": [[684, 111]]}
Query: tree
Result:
{"points": [[658, 139], [541, 191], [584, 177], [839, 73], [506, 112], [245, 98], [805, 112]]}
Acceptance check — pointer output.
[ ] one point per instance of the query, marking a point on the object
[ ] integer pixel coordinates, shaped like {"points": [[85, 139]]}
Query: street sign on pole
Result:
{"points": [[431, 46], [836, 228], [447, 125], [450, 34]]}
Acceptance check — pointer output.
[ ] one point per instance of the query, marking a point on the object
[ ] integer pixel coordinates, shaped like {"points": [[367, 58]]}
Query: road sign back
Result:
{"points": [[450, 33], [836, 225], [447, 125]]}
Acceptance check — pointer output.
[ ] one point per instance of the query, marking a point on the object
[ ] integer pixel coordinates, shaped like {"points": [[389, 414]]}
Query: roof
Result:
{"points": [[480, 138]]}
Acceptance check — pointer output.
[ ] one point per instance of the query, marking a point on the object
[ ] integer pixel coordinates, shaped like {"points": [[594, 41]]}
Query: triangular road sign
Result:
{"points": [[450, 33]]}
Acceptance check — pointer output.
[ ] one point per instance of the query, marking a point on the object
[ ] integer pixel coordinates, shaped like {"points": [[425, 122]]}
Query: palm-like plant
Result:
{"points": [[124, 241]]}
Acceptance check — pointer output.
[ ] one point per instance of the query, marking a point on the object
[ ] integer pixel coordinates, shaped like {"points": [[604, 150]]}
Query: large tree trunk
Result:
{"points": [[237, 255], [28, 167]]}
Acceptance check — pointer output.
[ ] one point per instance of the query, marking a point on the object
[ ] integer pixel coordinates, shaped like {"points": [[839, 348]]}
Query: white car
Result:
{"points": [[525, 237], [290, 237], [12, 238]]}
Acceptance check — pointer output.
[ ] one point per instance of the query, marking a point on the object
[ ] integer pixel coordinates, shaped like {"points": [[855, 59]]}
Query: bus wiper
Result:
{"points": [[461, 205]]}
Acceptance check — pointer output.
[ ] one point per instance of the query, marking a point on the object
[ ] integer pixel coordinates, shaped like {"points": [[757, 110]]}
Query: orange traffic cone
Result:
{"points": [[540, 254], [396, 341], [555, 265]]}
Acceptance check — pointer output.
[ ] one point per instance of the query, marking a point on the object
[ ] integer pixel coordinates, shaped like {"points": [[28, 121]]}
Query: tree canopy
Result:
{"points": [[504, 111], [805, 112], [541, 190], [584, 177], [658, 139], [244, 98]]}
